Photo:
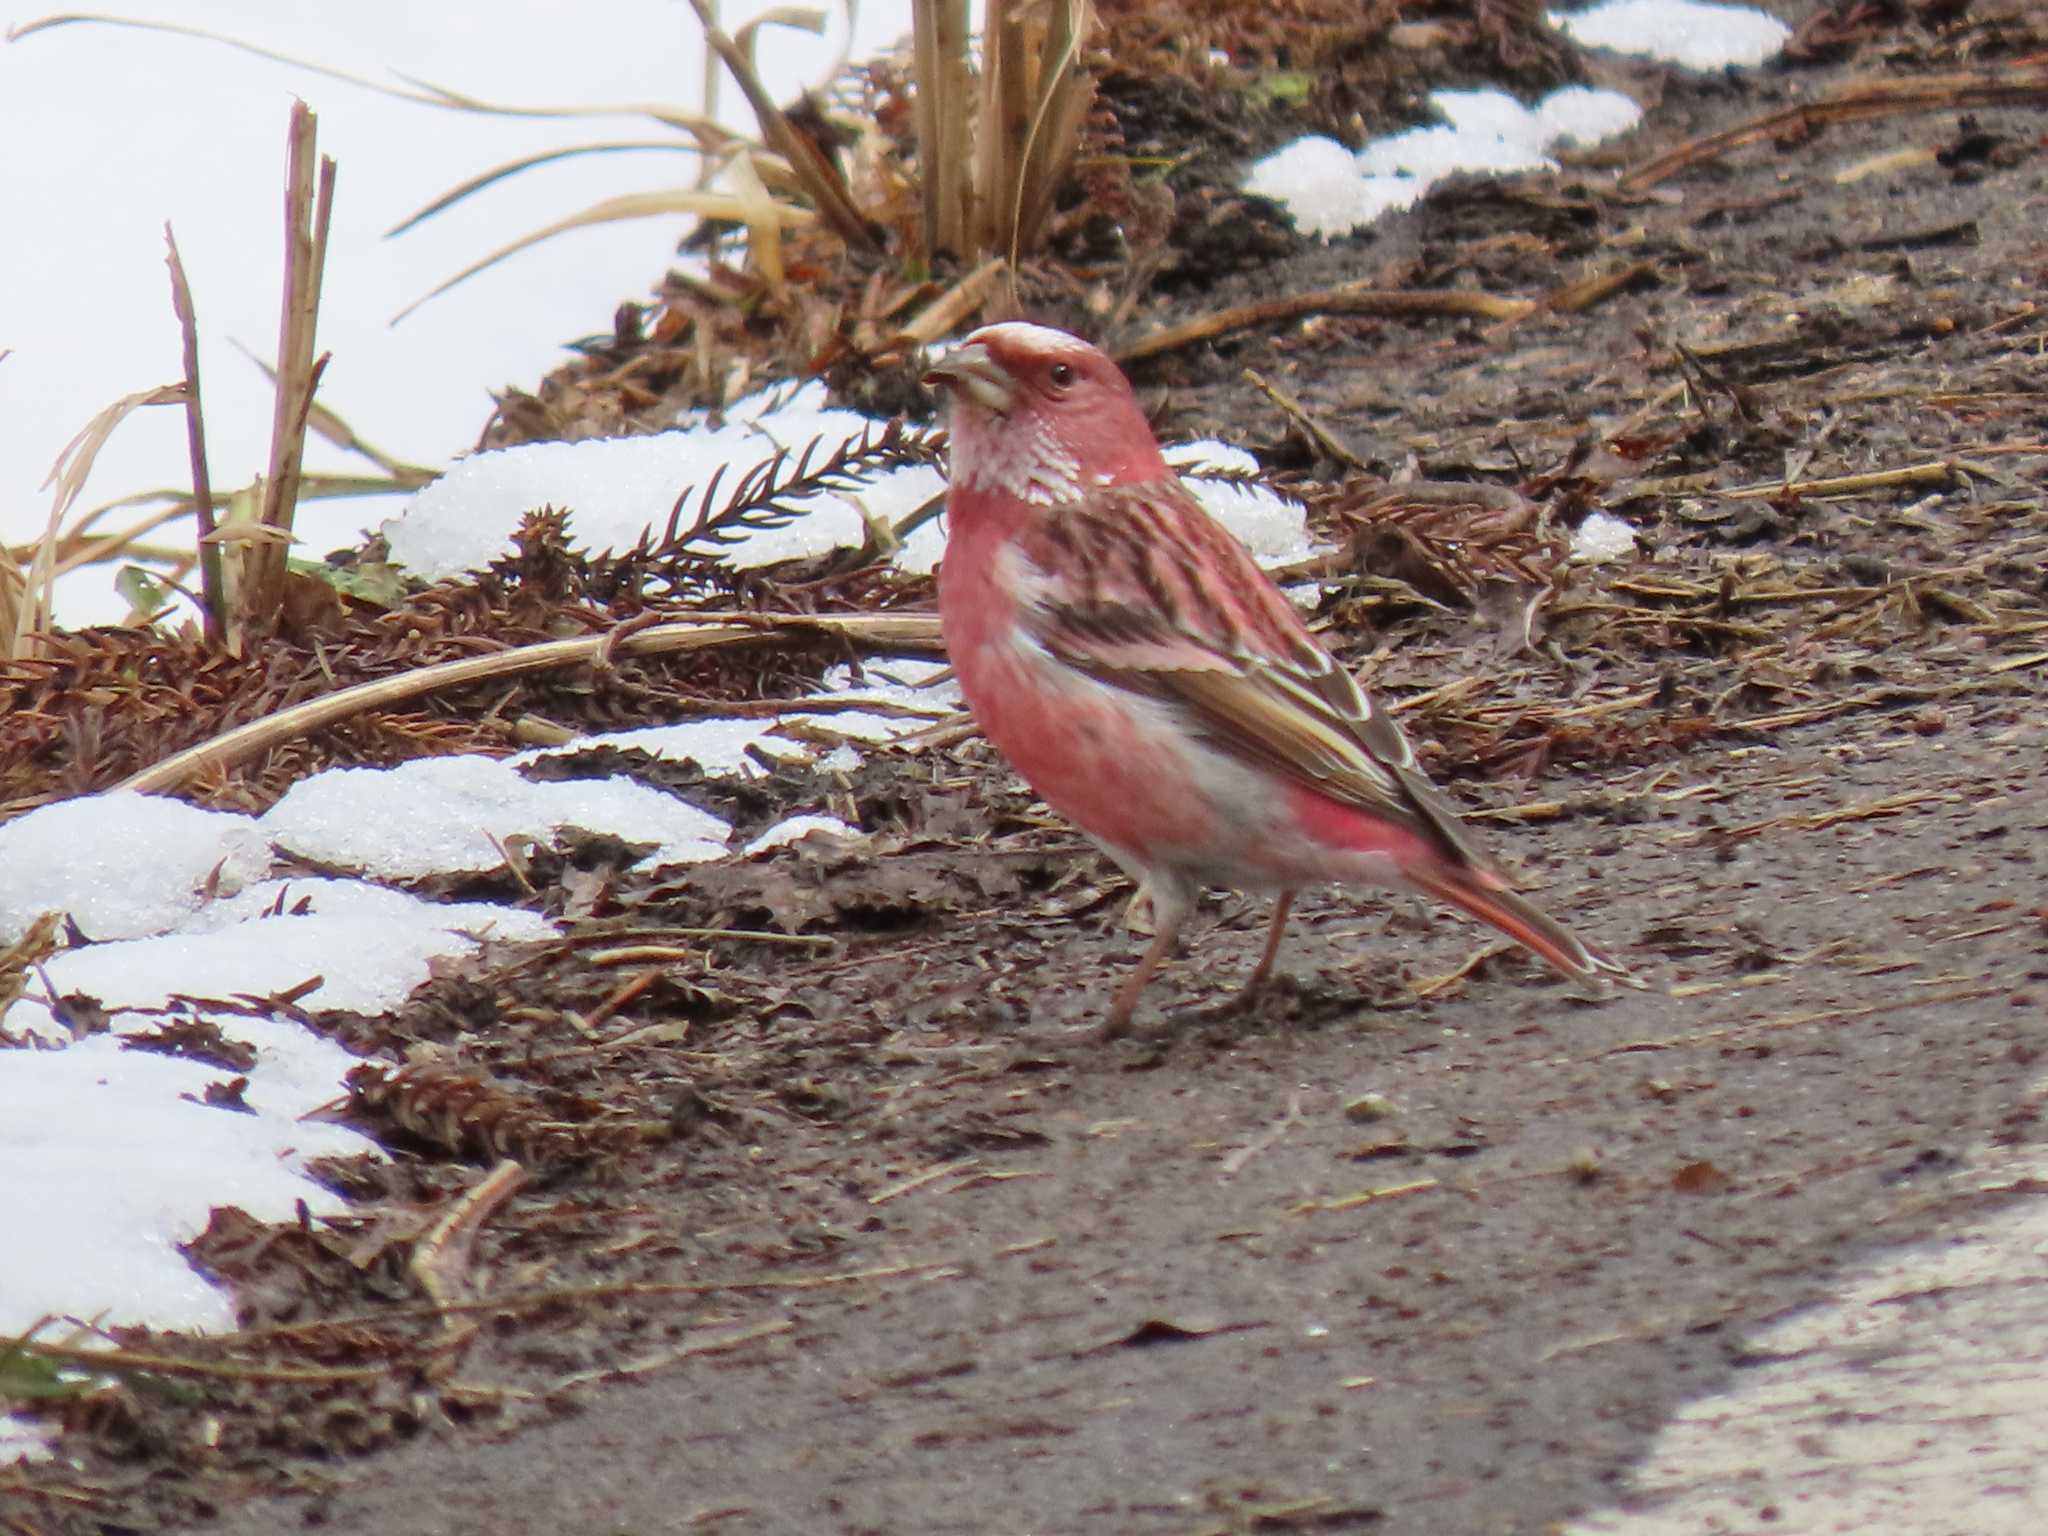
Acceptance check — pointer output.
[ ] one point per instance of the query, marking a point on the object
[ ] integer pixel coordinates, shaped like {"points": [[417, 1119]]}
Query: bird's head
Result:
{"points": [[1042, 416]]}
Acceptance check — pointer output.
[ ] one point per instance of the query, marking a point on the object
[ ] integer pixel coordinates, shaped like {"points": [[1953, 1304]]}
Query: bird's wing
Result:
{"points": [[1138, 587]]}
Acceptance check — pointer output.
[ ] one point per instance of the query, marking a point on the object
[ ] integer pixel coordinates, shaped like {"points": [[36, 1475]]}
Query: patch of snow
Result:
{"points": [[450, 815], [1328, 191], [901, 679], [1581, 116], [364, 965], [783, 833], [717, 745], [617, 490], [1601, 538], [120, 864], [1307, 596], [1689, 33], [318, 895], [1488, 131], [21, 1440], [921, 553], [1273, 527], [895, 680], [1318, 181], [112, 1160]]}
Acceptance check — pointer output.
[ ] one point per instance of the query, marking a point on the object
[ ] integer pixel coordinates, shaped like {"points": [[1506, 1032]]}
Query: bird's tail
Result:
{"points": [[1471, 892]]}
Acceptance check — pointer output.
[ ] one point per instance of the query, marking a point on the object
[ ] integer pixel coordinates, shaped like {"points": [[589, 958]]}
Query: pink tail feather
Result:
{"points": [[1521, 921]]}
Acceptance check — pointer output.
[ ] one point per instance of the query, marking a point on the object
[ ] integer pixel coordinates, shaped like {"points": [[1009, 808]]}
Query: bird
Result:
{"points": [[1152, 685]]}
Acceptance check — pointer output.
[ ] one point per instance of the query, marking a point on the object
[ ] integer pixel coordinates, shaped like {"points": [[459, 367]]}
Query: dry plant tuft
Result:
{"points": [[244, 536], [990, 166]]}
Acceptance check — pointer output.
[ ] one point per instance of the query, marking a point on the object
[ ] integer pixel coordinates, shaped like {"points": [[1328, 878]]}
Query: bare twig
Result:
{"points": [[1346, 300], [1577, 297], [1320, 437], [1936, 472], [441, 1257], [122, 1361], [1856, 102]]}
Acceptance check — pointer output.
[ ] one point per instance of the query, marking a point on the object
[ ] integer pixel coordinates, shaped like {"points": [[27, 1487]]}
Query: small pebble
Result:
{"points": [[1369, 1106]]}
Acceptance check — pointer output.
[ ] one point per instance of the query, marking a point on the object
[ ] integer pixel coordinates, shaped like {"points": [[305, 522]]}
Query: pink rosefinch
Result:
{"points": [[1147, 679]]}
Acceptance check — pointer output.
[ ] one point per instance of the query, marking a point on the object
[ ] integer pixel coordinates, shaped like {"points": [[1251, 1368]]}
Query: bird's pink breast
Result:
{"points": [[1107, 761]]}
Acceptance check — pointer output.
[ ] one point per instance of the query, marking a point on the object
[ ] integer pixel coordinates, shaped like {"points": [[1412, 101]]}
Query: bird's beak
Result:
{"points": [[970, 369]]}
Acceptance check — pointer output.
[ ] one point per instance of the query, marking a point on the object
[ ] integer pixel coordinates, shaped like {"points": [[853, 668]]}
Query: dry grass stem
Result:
{"points": [[612, 210], [496, 174], [1062, 96], [880, 631], [422, 92], [308, 213], [212, 579], [31, 607], [819, 178], [333, 429]]}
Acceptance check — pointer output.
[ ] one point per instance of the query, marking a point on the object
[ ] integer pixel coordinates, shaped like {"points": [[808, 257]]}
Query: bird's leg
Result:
{"points": [[1170, 909], [1282, 905]]}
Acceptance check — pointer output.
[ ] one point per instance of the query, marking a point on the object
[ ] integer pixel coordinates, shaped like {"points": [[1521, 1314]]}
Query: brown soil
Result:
{"points": [[830, 1230]]}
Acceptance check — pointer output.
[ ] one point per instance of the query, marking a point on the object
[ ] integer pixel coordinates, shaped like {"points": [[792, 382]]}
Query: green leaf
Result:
{"points": [[1287, 88], [144, 594]]}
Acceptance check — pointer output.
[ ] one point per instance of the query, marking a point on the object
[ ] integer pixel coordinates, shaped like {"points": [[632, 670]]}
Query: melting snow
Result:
{"points": [[1601, 538], [619, 490], [783, 833], [1328, 191], [1683, 32]]}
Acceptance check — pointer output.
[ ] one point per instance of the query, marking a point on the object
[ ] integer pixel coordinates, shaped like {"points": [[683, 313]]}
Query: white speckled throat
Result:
{"points": [[1018, 456]]}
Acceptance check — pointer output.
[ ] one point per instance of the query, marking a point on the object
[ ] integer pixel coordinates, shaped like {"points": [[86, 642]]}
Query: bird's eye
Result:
{"points": [[1062, 375]]}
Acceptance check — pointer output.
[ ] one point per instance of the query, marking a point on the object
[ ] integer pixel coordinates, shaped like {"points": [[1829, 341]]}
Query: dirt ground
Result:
{"points": [[833, 1230]]}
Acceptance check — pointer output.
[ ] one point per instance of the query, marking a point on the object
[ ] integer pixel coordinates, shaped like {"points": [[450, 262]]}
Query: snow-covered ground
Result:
{"points": [[109, 1156]]}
